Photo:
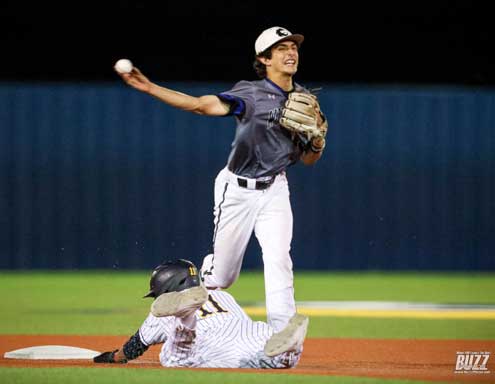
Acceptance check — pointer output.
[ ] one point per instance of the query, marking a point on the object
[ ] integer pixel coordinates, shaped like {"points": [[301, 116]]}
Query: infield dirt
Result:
{"points": [[380, 358]]}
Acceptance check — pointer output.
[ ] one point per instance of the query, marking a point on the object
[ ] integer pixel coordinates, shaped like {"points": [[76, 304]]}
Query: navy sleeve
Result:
{"points": [[237, 105], [241, 99]]}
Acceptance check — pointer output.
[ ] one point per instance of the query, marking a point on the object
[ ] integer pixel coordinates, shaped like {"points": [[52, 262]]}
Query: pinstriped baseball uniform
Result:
{"points": [[224, 337]]}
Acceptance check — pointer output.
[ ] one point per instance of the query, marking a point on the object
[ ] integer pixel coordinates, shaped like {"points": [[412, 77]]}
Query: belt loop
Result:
{"points": [[251, 183]]}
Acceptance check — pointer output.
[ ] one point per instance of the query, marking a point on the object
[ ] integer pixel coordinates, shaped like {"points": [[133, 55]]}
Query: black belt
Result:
{"points": [[260, 185]]}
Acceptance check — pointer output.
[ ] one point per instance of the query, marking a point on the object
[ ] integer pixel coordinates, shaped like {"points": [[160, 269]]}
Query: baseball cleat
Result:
{"points": [[290, 338], [180, 303]]}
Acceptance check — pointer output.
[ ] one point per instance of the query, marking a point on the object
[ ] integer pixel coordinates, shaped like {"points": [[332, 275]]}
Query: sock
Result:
{"points": [[189, 321]]}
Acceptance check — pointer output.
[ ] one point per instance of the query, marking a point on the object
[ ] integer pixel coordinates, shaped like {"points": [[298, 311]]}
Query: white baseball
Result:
{"points": [[123, 66]]}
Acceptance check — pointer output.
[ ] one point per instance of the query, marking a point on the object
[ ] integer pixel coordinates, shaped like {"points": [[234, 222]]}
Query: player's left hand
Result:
{"points": [[318, 144], [301, 114]]}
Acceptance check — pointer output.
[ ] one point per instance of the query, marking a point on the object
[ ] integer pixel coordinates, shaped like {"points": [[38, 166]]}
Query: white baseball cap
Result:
{"points": [[273, 35]]}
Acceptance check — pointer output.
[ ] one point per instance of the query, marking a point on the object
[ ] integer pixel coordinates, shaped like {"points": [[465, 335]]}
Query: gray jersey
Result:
{"points": [[261, 146]]}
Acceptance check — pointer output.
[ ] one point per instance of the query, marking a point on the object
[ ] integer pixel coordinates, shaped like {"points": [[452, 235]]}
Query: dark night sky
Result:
{"points": [[440, 42]]}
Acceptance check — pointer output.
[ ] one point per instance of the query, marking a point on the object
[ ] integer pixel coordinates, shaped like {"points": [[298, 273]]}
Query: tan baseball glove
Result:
{"points": [[301, 114]]}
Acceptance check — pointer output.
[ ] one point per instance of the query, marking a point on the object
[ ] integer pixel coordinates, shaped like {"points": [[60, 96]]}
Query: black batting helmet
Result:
{"points": [[173, 276]]}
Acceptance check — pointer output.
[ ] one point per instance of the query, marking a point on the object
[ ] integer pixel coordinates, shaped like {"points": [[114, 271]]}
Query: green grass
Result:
{"points": [[413, 287], [401, 328], [111, 302], [153, 376]]}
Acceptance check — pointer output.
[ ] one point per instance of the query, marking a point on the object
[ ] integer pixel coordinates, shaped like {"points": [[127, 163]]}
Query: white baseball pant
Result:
{"points": [[238, 211]]}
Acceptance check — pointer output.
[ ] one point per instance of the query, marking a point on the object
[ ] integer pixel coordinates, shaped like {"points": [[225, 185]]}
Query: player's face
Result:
{"points": [[285, 57]]}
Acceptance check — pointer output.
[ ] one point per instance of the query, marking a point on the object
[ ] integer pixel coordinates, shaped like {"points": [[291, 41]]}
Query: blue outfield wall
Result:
{"points": [[102, 176]]}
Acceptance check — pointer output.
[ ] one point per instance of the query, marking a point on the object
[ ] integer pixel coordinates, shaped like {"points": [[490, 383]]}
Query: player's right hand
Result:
{"points": [[107, 357], [136, 79]]}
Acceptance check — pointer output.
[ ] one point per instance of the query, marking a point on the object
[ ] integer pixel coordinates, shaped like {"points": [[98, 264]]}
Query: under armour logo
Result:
{"points": [[282, 32], [270, 96]]}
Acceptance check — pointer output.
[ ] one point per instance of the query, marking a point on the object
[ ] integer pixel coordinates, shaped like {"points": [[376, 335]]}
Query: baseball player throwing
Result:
{"points": [[205, 328], [278, 123]]}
